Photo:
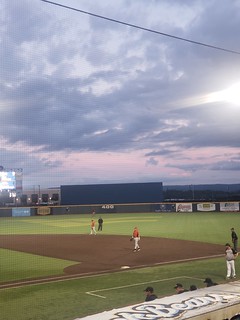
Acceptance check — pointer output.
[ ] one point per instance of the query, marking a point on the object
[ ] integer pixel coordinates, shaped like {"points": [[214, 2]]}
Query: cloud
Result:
{"points": [[151, 162], [74, 85]]}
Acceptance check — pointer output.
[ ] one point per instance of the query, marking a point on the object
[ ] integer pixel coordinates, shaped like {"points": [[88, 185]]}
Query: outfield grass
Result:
{"points": [[17, 265], [76, 298]]}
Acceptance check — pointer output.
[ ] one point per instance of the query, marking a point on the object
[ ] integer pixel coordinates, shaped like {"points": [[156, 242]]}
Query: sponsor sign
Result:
{"points": [[166, 207], [43, 211], [21, 212], [206, 302], [229, 206], [184, 207], [206, 207]]}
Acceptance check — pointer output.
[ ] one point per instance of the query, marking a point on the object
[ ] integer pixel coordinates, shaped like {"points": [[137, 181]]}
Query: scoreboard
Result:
{"points": [[11, 180], [7, 180]]}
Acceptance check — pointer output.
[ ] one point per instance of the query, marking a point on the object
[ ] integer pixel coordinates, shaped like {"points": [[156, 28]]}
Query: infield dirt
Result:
{"points": [[108, 253]]}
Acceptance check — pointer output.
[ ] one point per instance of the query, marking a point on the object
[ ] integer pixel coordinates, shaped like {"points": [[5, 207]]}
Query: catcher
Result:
{"points": [[136, 238]]}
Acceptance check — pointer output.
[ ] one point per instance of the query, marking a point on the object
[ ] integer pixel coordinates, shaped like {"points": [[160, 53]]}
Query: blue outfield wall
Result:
{"points": [[122, 193]]}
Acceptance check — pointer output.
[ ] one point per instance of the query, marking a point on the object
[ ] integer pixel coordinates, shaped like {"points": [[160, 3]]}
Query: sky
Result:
{"points": [[86, 100]]}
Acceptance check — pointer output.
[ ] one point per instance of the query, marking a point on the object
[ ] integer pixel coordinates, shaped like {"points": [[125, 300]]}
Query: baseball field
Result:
{"points": [[51, 268]]}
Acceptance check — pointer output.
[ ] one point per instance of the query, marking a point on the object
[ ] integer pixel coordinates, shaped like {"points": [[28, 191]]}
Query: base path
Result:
{"points": [[106, 253]]}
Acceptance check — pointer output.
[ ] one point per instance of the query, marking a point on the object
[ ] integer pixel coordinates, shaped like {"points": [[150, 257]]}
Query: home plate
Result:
{"points": [[125, 267]]}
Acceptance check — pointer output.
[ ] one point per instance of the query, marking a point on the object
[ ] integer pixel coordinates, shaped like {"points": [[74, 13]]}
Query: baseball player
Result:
{"points": [[230, 255], [136, 239], [150, 295], [93, 230], [179, 288]]}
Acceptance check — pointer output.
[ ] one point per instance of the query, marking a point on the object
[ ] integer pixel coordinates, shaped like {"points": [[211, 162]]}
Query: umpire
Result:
{"points": [[234, 239], [100, 224]]}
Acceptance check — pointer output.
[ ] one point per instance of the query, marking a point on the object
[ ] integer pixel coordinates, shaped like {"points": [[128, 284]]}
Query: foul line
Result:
{"points": [[35, 282], [92, 293]]}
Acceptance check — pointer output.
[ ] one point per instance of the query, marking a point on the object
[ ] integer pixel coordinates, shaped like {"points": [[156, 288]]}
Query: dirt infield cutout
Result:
{"points": [[107, 252], [103, 253]]}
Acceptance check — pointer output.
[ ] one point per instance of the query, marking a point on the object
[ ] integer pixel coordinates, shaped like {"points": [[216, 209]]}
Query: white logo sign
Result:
{"points": [[174, 310]]}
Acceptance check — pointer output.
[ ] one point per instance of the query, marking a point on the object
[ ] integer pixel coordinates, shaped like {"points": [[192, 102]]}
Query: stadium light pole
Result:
{"points": [[39, 193]]}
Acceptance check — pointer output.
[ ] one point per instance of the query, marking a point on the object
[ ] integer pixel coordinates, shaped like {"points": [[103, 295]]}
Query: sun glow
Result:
{"points": [[231, 94]]}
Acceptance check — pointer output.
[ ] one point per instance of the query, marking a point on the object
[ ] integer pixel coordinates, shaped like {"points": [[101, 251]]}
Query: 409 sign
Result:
{"points": [[108, 206]]}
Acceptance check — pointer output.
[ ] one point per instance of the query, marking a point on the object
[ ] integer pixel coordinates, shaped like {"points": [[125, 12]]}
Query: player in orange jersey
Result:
{"points": [[93, 230], [136, 238]]}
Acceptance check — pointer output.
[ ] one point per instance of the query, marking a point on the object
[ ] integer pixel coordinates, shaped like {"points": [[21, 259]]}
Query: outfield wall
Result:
{"points": [[122, 193], [121, 208], [220, 302]]}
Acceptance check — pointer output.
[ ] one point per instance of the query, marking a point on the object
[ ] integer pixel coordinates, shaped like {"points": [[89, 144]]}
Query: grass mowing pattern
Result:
{"points": [[17, 265], [69, 299]]}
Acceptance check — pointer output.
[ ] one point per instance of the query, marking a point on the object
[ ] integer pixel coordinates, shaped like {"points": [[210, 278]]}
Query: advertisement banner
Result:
{"points": [[229, 206], [184, 207], [43, 211], [21, 212], [215, 303], [166, 207], [206, 207]]}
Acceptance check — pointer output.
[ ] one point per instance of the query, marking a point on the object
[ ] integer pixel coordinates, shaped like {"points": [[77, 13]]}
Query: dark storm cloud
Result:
{"points": [[228, 165], [225, 15], [69, 82]]}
